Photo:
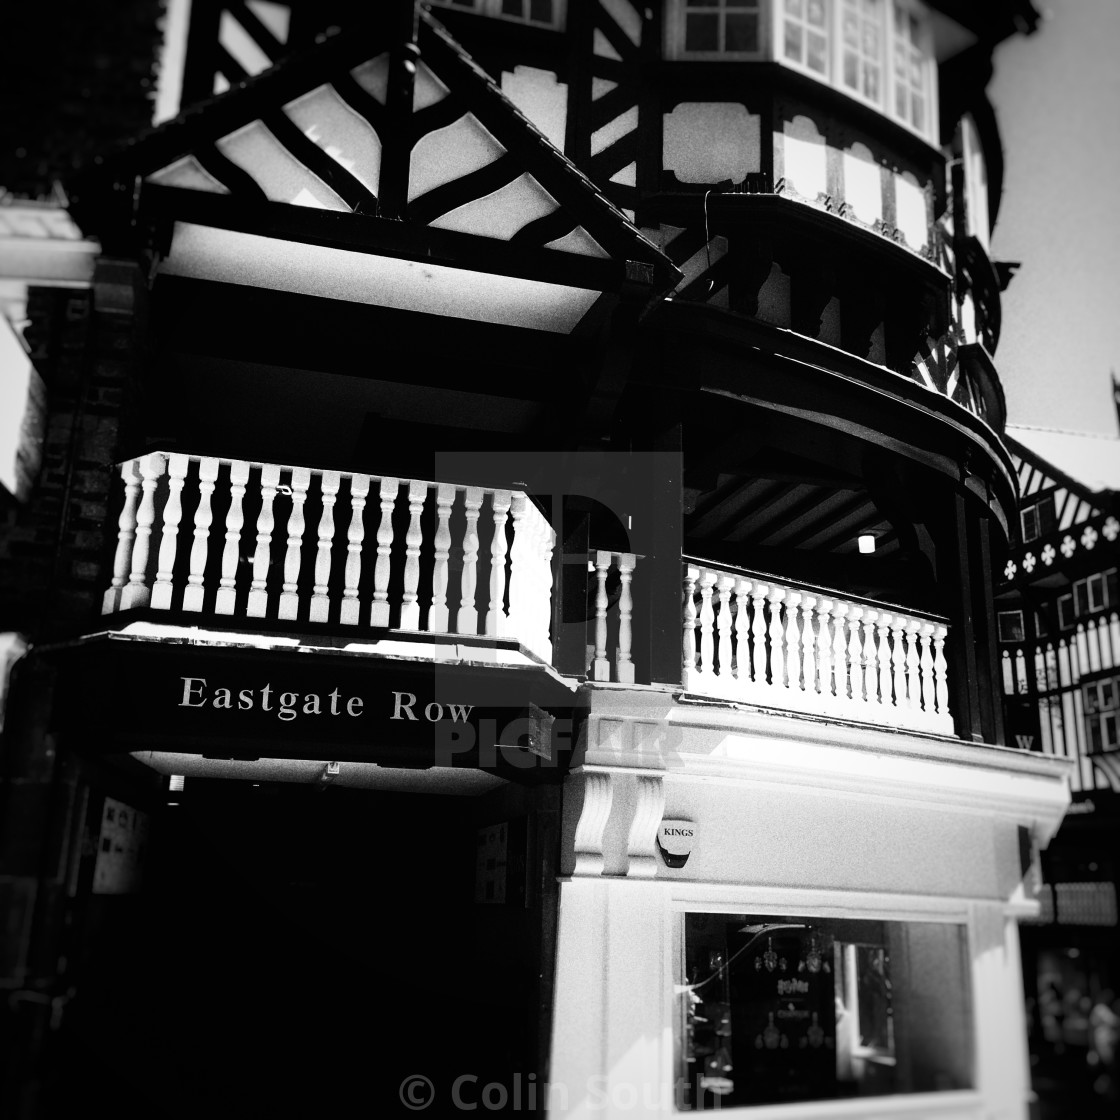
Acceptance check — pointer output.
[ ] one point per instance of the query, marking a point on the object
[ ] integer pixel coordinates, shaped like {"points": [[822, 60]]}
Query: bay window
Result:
{"points": [[877, 51]]}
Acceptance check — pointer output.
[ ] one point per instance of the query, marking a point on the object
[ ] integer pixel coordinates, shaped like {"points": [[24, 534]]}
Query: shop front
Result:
{"points": [[788, 919]]}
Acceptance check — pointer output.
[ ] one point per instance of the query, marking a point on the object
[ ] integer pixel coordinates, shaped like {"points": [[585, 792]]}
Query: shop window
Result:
{"points": [[1011, 626], [541, 13], [1037, 519], [776, 1010], [1101, 701], [874, 50]]}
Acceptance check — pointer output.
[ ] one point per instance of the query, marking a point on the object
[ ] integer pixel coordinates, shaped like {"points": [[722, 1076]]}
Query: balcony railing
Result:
{"points": [[762, 641], [260, 541]]}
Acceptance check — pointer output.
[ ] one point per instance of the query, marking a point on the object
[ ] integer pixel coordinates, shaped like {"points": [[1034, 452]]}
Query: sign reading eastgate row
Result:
{"points": [[238, 703]]}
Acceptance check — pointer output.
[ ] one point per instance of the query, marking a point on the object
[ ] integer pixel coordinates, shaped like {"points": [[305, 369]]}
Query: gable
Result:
{"points": [[329, 149]]}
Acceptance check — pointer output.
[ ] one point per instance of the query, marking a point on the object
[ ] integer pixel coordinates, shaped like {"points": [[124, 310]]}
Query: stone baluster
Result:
{"points": [[925, 669], [289, 596], [195, 590], [809, 649], [258, 590], [742, 635], [136, 592], [913, 685], [775, 595], [823, 644], [898, 661], [688, 627], [349, 612], [226, 600], [624, 665], [126, 534], [520, 579], [707, 626], [759, 592], [601, 666], [379, 608], [840, 652], [329, 484], [164, 586], [941, 669], [543, 599], [495, 623], [414, 537], [873, 655], [466, 620], [855, 654], [792, 639], [438, 615], [724, 625]]}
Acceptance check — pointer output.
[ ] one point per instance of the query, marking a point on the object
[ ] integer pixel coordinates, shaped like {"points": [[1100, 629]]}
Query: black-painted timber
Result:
{"points": [[162, 206]]}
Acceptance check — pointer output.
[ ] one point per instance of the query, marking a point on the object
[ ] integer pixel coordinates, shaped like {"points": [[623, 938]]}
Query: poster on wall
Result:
{"points": [[120, 848]]}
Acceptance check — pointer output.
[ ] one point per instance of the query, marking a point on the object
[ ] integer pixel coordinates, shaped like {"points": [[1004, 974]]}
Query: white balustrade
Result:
{"points": [[614, 622], [330, 548], [759, 641]]}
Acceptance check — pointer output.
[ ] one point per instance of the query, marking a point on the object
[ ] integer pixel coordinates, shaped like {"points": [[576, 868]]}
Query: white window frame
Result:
{"points": [[1101, 700], [772, 18], [493, 8]]}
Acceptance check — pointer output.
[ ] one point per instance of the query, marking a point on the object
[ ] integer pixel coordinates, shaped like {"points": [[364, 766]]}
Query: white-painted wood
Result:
{"points": [[289, 597], [136, 592], [776, 644], [226, 600], [195, 591], [494, 624], [438, 614], [330, 481], [172, 514], [688, 631], [466, 620], [601, 666], [349, 613], [414, 538], [624, 666], [257, 606], [379, 608], [520, 568], [126, 534]]}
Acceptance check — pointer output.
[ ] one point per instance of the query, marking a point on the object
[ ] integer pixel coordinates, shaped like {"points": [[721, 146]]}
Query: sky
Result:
{"points": [[1057, 97]]}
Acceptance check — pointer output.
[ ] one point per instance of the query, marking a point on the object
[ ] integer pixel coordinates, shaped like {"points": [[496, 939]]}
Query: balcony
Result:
{"points": [[280, 546], [267, 547], [759, 640]]}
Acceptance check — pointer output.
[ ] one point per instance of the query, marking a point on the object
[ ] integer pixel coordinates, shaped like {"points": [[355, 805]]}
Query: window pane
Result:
{"points": [[742, 32], [793, 41], [795, 7], [814, 13], [918, 114], [818, 53], [703, 3], [781, 1009], [851, 70], [513, 8], [871, 83], [701, 32], [540, 11]]}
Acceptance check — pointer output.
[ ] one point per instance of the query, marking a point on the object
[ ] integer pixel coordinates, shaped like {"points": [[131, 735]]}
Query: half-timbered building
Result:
{"points": [[542, 652]]}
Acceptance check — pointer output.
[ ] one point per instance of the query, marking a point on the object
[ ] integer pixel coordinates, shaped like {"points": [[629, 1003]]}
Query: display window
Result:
{"points": [[783, 1009]]}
